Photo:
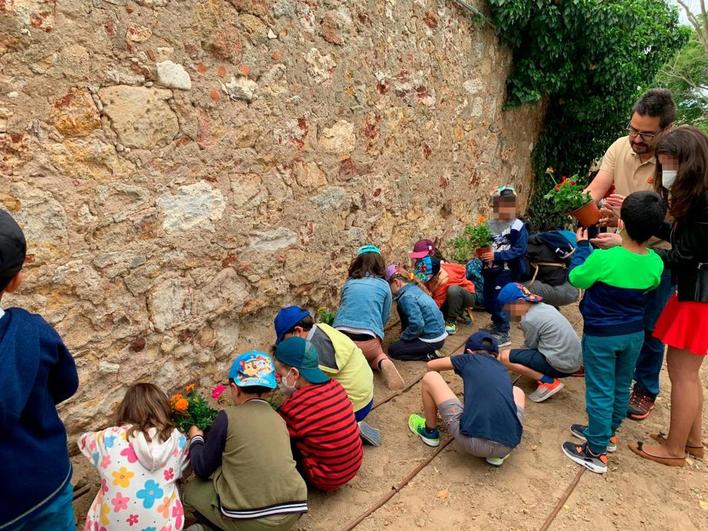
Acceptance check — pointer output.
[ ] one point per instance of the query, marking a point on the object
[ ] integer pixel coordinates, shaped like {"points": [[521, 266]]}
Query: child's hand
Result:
{"points": [[581, 234], [194, 431]]}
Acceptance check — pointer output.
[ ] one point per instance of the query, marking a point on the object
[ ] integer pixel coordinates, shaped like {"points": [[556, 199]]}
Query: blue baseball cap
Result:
{"points": [[368, 249], [514, 291], [286, 319], [253, 368], [482, 341], [302, 355]]}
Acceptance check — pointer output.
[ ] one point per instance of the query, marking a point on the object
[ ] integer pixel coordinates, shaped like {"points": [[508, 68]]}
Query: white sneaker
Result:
{"points": [[497, 461]]}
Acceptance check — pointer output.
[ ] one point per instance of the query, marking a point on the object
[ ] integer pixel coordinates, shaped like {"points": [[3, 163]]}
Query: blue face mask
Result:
{"points": [[424, 269]]}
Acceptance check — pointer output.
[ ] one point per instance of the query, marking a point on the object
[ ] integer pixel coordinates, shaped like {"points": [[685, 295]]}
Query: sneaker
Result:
{"points": [[393, 379], [578, 431], [450, 328], [503, 338], [369, 434], [464, 320], [497, 461], [640, 405], [434, 355], [416, 423], [544, 391], [583, 456]]}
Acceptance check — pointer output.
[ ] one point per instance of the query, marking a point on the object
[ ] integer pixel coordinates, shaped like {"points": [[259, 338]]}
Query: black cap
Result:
{"points": [[13, 247]]}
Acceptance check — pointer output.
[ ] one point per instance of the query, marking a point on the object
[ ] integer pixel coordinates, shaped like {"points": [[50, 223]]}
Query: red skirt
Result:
{"points": [[684, 326]]}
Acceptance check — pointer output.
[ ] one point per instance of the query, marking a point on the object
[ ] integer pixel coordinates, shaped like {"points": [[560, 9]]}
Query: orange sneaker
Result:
{"points": [[544, 391]]}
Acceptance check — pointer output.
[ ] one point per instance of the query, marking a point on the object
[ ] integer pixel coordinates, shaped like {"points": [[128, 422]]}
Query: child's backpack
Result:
{"points": [[548, 256], [473, 272]]}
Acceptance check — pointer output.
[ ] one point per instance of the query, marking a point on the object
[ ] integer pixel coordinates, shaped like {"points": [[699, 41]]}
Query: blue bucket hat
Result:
{"points": [[286, 319], [514, 291], [253, 368], [302, 355]]}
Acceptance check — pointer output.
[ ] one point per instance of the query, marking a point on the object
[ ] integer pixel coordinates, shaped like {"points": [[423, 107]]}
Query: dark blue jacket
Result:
{"points": [[37, 372], [420, 316], [511, 240]]}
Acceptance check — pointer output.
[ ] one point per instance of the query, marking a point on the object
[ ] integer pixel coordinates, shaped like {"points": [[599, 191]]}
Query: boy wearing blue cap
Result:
{"points": [[490, 422], [246, 474], [339, 357], [37, 374], [319, 415], [551, 347]]}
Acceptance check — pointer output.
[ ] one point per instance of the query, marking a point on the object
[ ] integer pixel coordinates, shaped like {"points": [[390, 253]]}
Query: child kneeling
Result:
{"points": [[489, 424], [323, 431], [246, 474], [551, 347]]}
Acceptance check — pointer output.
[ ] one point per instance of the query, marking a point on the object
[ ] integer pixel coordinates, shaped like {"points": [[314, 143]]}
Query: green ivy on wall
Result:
{"points": [[591, 59]]}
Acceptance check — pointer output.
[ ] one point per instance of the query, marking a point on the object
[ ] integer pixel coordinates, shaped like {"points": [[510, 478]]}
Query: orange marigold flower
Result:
{"points": [[181, 405], [174, 398], [190, 388], [481, 219]]}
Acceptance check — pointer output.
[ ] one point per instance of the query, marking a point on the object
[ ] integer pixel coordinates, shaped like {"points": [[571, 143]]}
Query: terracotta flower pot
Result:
{"points": [[482, 250], [587, 215]]}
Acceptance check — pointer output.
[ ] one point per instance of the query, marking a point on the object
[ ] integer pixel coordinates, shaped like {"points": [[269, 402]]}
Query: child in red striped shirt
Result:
{"points": [[320, 418]]}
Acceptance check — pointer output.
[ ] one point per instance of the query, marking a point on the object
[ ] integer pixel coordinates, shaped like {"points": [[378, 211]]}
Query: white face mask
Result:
{"points": [[668, 177], [286, 388]]}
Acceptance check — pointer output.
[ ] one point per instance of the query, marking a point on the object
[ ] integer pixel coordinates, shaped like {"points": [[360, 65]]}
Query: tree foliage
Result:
{"points": [[590, 59]]}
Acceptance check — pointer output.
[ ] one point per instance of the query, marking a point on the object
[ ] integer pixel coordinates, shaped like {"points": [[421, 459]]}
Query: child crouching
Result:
{"points": [[489, 424], [139, 461], [246, 474], [422, 324], [551, 347], [323, 431]]}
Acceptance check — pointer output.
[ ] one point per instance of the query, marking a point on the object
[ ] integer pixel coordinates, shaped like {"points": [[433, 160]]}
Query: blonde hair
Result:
{"points": [[408, 277], [145, 406]]}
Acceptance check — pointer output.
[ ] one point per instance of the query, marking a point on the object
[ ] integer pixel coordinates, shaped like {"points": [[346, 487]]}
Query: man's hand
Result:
{"points": [[581, 234], [605, 240], [193, 432]]}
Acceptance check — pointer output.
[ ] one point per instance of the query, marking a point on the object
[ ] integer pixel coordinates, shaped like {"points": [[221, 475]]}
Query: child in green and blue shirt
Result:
{"points": [[617, 283]]}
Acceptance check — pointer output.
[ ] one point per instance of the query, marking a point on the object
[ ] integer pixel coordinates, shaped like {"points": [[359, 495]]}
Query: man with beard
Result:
{"points": [[629, 166]]}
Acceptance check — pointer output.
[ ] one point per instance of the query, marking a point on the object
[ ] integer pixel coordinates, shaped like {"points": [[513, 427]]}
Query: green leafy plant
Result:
{"points": [[191, 409], [588, 60], [473, 237], [567, 195], [325, 315]]}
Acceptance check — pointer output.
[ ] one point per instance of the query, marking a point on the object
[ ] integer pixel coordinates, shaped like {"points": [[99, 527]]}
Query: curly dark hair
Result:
{"points": [[689, 146], [659, 103], [367, 265]]}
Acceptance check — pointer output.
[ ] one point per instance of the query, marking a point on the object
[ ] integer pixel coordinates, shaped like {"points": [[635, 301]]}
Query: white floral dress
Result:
{"points": [[138, 480]]}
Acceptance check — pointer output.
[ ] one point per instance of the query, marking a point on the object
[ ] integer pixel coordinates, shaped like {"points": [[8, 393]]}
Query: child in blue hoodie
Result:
{"points": [[422, 323], [364, 308], [37, 373], [505, 262]]}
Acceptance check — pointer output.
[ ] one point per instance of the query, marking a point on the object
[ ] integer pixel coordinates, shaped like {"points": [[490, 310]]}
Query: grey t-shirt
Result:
{"points": [[546, 330]]}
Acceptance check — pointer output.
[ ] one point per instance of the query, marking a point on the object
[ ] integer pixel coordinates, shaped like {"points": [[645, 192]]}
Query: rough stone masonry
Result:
{"points": [[184, 168]]}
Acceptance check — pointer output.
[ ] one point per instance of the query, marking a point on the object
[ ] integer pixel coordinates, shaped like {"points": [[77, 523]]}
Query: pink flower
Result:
{"points": [[120, 502], [129, 454], [104, 486], [178, 514], [105, 461], [166, 528], [218, 391], [133, 519], [169, 474]]}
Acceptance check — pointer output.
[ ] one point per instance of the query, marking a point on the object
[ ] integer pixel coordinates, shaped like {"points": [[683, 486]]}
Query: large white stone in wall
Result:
{"points": [[173, 75], [339, 139], [195, 205], [170, 304]]}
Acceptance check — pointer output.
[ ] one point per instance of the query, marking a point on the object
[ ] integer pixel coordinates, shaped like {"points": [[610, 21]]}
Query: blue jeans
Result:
{"points": [[494, 281], [57, 516], [609, 362], [533, 359], [651, 358]]}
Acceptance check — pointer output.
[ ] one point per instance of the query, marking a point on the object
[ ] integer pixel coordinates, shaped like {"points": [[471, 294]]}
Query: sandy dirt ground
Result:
{"points": [[455, 491]]}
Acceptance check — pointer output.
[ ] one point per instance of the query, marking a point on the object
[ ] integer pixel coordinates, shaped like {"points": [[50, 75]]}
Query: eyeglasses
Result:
{"points": [[646, 135]]}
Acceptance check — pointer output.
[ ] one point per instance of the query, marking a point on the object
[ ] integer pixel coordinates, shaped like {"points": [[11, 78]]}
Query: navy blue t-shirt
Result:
{"points": [[489, 409]]}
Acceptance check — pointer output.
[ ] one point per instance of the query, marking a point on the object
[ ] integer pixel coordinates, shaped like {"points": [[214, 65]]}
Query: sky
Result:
{"points": [[694, 5]]}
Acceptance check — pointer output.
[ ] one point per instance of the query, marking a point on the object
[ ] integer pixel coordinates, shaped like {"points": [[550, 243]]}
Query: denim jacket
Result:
{"points": [[420, 316], [364, 304]]}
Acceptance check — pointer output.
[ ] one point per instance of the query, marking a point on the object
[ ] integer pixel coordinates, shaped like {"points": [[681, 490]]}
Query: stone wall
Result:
{"points": [[184, 168]]}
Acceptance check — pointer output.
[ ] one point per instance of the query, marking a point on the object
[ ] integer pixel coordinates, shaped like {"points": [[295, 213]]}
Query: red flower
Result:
{"points": [[218, 391], [133, 519], [169, 474]]}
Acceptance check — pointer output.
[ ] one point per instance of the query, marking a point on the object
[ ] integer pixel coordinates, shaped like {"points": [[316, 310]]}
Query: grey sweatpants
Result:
{"points": [[554, 295]]}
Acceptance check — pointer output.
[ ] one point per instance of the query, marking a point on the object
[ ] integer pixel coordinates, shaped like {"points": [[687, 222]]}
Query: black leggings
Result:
{"points": [[415, 350]]}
